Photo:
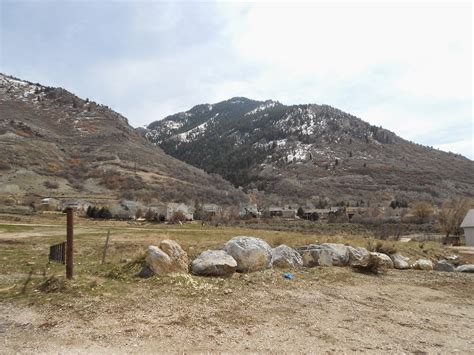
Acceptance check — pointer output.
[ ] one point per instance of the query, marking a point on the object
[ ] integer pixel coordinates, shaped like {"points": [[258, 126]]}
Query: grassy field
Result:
{"points": [[24, 249]]}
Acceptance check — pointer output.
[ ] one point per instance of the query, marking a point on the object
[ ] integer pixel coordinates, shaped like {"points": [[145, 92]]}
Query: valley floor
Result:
{"points": [[105, 309]]}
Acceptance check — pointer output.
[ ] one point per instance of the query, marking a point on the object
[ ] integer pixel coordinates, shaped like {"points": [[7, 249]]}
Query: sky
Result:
{"points": [[404, 66]]}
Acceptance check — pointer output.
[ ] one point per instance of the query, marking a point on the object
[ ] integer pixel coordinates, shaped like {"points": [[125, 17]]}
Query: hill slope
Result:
{"points": [[56, 144], [309, 152]]}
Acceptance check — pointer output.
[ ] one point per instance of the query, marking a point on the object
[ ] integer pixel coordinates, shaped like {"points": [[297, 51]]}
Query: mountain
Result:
{"points": [[309, 153], [56, 144]]}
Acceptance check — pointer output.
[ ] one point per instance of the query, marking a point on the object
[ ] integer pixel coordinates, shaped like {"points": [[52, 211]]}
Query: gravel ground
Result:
{"points": [[321, 310]]}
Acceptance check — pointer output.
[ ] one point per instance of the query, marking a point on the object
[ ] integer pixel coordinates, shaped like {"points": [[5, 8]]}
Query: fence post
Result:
{"points": [[69, 243], [106, 246]]}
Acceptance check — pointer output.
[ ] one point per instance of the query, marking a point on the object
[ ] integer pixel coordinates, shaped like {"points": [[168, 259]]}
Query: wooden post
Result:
{"points": [[106, 246], [69, 243]]}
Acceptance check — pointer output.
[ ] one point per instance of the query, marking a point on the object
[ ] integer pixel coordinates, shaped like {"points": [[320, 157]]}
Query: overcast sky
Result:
{"points": [[406, 67]]}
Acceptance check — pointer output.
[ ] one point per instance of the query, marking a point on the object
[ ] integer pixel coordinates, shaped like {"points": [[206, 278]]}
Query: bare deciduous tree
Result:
{"points": [[452, 214]]}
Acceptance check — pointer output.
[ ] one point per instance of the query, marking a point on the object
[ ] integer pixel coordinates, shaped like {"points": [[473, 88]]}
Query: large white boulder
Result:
{"points": [[327, 254], [214, 263], [422, 264], [284, 257], [168, 258], [399, 261], [250, 253]]}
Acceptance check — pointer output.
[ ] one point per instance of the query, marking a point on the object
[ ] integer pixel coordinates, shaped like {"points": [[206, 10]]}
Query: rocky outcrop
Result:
{"points": [[168, 258], [214, 263], [250, 253], [284, 257]]}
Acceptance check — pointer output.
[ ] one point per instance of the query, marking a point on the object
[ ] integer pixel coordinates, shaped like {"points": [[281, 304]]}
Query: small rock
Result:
{"points": [[423, 264], [465, 268], [227, 291], [283, 256], [443, 265], [399, 261], [145, 272]]}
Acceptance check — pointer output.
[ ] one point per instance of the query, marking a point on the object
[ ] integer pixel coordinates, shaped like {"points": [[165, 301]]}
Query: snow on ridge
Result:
{"points": [[262, 107]]}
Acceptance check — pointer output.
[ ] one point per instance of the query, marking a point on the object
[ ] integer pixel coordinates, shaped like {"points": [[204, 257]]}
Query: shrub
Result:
{"points": [[51, 184], [382, 247], [423, 211], [178, 216]]}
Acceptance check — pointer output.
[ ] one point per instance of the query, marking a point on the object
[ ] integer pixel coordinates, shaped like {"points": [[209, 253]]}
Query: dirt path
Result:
{"points": [[321, 310]]}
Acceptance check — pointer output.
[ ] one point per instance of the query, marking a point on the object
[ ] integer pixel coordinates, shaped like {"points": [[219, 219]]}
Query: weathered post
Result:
{"points": [[106, 246], [69, 243]]}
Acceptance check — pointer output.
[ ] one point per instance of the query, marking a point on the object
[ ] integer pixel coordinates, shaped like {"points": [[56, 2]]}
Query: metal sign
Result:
{"points": [[57, 253]]}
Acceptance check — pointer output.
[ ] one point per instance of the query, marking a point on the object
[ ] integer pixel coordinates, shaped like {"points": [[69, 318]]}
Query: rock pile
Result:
{"points": [[248, 254]]}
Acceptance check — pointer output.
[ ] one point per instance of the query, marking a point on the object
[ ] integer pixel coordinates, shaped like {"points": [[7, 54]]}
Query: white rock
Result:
{"points": [[358, 257], [327, 254], [399, 261], [250, 253], [383, 260], [465, 268], [284, 256], [422, 264], [167, 259], [214, 263]]}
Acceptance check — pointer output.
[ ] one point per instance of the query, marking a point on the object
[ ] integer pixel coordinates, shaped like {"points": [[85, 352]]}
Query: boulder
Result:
{"points": [[327, 254], [283, 256], [465, 268], [250, 253], [358, 257], [443, 265], [214, 263], [383, 260], [423, 264], [168, 258], [399, 261]]}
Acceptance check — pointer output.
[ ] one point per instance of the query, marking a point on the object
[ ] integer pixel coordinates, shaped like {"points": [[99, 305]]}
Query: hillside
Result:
{"points": [[309, 153], [56, 144]]}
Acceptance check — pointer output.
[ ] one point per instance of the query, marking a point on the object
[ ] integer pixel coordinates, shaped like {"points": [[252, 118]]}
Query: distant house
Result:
{"points": [[126, 209], [172, 208], [50, 204], [468, 226], [283, 212], [249, 210], [313, 214], [210, 208]]}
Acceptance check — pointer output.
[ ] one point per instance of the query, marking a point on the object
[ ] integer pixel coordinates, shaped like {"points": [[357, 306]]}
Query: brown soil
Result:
{"points": [[322, 309]]}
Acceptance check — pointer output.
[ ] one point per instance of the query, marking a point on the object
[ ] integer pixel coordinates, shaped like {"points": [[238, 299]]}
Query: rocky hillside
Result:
{"points": [[56, 144], [309, 153]]}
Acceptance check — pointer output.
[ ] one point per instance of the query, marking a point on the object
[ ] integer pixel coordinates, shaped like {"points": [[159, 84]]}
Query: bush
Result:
{"points": [[178, 216], [382, 247], [51, 184]]}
